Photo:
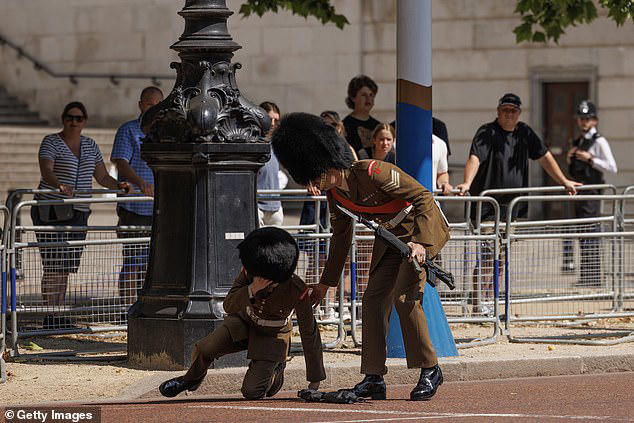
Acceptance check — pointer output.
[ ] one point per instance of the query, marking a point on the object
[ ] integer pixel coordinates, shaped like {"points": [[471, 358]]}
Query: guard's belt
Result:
{"points": [[265, 322], [402, 207], [393, 206]]}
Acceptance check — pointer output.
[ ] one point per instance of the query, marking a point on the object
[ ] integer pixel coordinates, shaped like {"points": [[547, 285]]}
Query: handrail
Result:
{"points": [[529, 190], [73, 76]]}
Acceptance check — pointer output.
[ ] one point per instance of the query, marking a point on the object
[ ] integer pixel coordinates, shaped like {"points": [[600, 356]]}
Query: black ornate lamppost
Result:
{"points": [[205, 145]]}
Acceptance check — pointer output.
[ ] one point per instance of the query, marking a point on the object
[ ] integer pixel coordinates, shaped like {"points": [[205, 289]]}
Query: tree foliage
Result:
{"points": [[544, 20], [320, 9]]}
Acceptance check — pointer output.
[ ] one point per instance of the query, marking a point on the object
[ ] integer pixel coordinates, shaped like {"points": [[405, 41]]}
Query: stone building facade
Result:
{"points": [[305, 66]]}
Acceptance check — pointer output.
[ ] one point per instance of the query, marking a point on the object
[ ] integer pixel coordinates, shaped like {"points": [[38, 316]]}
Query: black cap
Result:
{"points": [[510, 99], [586, 109]]}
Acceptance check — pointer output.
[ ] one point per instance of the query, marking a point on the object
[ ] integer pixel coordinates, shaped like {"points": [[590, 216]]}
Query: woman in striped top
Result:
{"points": [[68, 161]]}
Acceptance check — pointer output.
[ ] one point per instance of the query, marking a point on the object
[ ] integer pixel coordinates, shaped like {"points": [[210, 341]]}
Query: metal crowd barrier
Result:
{"points": [[539, 291], [476, 279], [3, 288], [472, 255], [94, 302]]}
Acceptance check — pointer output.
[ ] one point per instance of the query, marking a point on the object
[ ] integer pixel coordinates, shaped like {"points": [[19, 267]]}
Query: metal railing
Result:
{"points": [[3, 290], [477, 255], [94, 307], [462, 257], [536, 293], [533, 190], [113, 77]]}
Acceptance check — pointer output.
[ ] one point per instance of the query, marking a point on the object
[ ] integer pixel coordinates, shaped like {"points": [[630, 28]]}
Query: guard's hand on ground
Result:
{"points": [[259, 284], [464, 187], [313, 386], [418, 252], [318, 293]]}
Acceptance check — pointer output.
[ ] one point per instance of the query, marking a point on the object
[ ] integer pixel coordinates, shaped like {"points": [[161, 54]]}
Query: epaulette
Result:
{"points": [[370, 166]]}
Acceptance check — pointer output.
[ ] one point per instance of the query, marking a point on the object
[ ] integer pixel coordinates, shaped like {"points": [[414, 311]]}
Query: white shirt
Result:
{"points": [[438, 157], [603, 160]]}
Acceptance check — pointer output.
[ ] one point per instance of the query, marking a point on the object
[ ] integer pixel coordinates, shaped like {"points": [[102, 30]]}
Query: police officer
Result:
{"points": [[589, 157], [259, 307], [316, 156]]}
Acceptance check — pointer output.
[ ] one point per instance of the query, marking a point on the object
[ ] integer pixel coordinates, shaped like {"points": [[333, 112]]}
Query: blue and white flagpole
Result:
{"points": [[413, 151]]}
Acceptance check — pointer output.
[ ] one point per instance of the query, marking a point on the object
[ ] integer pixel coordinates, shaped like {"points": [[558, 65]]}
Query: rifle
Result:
{"points": [[433, 271]]}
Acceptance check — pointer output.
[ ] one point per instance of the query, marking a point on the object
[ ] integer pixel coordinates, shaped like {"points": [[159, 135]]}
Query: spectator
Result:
{"points": [[68, 161], [439, 129], [589, 157], [126, 155], [440, 167], [359, 124], [499, 159], [332, 118], [382, 144], [270, 212], [499, 153]]}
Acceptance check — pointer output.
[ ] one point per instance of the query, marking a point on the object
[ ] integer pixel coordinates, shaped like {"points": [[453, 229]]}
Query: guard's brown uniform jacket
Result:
{"points": [[370, 186], [264, 328]]}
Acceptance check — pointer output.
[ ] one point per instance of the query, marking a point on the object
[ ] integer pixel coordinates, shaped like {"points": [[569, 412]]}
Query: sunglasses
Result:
{"points": [[76, 118]]}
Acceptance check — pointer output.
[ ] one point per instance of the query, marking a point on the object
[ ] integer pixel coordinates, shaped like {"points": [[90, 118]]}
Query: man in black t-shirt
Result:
{"points": [[499, 156], [359, 124], [499, 159]]}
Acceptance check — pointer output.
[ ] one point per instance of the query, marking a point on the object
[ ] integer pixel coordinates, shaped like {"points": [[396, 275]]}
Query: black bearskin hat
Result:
{"points": [[308, 147], [270, 253]]}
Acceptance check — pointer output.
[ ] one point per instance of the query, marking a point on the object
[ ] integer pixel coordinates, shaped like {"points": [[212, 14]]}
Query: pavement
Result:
{"points": [[500, 360], [35, 378]]}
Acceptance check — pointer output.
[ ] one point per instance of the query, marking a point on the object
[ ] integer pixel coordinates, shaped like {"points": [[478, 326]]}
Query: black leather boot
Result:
{"points": [[171, 388], [278, 379], [372, 386], [430, 380]]}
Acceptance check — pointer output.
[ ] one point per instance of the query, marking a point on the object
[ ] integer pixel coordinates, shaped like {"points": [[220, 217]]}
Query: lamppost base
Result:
{"points": [[167, 344]]}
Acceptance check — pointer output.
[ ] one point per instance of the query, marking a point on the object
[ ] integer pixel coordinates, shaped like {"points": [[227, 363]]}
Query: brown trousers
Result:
{"points": [[259, 376], [394, 282]]}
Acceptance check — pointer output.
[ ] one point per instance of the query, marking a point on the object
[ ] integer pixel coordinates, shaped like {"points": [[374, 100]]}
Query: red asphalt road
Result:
{"points": [[601, 397]]}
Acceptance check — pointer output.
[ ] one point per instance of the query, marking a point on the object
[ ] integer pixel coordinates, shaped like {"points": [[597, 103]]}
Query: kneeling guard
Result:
{"points": [[342, 396]]}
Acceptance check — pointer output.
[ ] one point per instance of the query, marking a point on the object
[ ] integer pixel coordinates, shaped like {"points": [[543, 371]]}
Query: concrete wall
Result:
{"points": [[305, 66]]}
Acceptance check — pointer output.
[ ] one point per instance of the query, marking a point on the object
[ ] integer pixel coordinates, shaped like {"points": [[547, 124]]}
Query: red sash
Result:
{"points": [[393, 206]]}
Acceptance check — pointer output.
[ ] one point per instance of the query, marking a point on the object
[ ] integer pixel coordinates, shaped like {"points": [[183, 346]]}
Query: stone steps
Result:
{"points": [[15, 112]]}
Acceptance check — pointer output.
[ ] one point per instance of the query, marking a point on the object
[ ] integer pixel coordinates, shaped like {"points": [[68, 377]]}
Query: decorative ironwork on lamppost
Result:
{"points": [[205, 144]]}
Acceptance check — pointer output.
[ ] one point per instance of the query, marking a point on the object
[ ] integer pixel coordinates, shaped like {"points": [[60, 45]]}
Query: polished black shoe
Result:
{"points": [[430, 380], [278, 379], [171, 388], [372, 386]]}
